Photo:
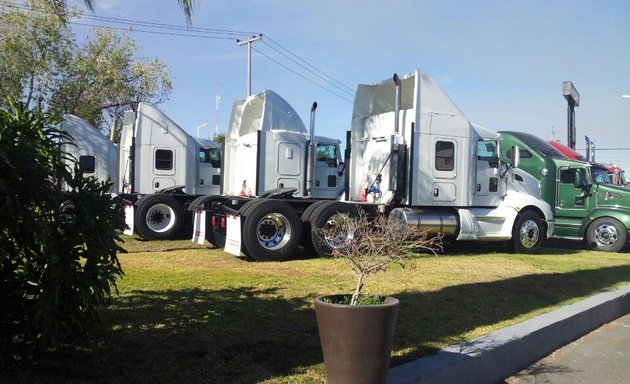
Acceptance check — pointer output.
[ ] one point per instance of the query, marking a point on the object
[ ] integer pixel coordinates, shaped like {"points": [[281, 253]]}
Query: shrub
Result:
{"points": [[58, 262], [370, 245]]}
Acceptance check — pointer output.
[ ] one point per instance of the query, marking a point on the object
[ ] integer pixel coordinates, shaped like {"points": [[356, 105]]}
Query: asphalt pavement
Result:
{"points": [[602, 357], [595, 331]]}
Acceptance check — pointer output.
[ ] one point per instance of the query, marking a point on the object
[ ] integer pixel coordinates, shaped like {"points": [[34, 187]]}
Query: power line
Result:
{"points": [[130, 29], [310, 65], [606, 149], [208, 33], [311, 72], [303, 77], [166, 26]]}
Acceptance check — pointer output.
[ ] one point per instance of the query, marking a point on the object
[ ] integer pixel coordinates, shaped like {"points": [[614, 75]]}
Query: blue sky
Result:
{"points": [[502, 62]]}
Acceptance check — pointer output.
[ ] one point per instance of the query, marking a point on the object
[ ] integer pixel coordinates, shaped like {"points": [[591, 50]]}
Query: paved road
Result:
{"points": [[601, 357]]}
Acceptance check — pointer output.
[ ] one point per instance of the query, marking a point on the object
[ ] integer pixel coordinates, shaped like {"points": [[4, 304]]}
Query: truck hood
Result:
{"points": [[610, 194]]}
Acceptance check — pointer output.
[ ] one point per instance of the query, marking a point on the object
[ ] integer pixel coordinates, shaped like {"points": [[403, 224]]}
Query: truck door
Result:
{"points": [[573, 194], [289, 165], [163, 169], [328, 182], [487, 173], [209, 179], [443, 188]]}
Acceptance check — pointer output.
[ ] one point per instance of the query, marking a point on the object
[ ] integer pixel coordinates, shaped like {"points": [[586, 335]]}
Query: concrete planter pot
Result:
{"points": [[356, 339]]}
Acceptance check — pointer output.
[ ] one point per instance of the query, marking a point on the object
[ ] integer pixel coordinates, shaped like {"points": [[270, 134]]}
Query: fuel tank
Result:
{"points": [[433, 221]]}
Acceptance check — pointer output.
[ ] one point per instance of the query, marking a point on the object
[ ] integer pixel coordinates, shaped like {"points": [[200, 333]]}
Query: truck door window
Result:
{"points": [[210, 156], [87, 164], [487, 151], [327, 153], [573, 176], [163, 159], [444, 155], [525, 154]]}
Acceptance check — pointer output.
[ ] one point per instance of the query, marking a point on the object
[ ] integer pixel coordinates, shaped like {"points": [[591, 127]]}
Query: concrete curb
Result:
{"points": [[492, 358]]}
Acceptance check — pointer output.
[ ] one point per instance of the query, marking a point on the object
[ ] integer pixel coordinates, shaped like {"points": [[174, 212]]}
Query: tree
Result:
{"points": [[41, 65], [219, 138], [103, 80], [58, 250], [33, 49], [60, 6]]}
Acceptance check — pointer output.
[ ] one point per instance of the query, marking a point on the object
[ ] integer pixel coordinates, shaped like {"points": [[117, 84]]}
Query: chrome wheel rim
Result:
{"points": [[606, 235], [273, 231], [529, 234]]}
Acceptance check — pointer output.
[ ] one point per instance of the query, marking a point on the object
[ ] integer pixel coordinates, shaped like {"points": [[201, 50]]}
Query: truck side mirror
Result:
{"points": [[515, 156], [579, 181]]}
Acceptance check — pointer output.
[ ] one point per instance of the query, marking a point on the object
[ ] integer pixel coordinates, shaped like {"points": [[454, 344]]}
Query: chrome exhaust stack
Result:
{"points": [[393, 170], [310, 162]]}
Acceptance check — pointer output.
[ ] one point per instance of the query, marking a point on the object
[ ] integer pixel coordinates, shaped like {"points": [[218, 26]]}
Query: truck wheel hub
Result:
{"points": [[606, 235], [529, 234], [159, 218], [273, 231]]}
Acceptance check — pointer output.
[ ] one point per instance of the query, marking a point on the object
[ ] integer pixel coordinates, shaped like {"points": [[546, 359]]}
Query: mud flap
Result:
{"points": [[233, 234], [199, 228], [129, 220]]}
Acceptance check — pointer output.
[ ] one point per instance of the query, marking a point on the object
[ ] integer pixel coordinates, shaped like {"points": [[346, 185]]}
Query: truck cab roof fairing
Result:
{"points": [[265, 111], [371, 100]]}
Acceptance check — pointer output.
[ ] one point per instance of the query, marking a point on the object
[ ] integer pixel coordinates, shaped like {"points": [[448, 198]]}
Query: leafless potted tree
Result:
{"points": [[356, 331]]}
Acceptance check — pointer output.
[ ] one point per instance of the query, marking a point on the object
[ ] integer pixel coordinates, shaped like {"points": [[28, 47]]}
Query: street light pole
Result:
{"points": [[201, 126], [573, 100], [249, 42]]}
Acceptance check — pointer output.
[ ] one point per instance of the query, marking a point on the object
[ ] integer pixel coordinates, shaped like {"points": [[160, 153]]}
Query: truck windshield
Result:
{"points": [[210, 156], [539, 145], [600, 175]]}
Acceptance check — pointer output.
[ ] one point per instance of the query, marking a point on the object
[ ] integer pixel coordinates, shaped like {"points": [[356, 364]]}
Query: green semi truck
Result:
{"points": [[584, 209]]}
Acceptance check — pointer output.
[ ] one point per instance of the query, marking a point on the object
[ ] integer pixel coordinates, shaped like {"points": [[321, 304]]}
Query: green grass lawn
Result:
{"points": [[192, 314]]}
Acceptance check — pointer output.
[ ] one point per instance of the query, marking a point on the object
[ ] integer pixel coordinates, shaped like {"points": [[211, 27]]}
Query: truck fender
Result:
{"points": [[523, 201], [620, 214]]}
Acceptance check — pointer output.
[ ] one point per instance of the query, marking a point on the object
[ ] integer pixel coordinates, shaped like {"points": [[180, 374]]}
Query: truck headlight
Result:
{"points": [[544, 172]]}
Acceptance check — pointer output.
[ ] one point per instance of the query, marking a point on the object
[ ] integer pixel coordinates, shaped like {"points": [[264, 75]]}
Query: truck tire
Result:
{"points": [[193, 204], [215, 234], [271, 230], [306, 222], [324, 216], [244, 211], [159, 217], [606, 234], [528, 233]]}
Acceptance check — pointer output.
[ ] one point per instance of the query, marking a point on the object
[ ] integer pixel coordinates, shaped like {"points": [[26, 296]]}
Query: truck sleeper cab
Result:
{"points": [[268, 148], [162, 170], [411, 154], [96, 155]]}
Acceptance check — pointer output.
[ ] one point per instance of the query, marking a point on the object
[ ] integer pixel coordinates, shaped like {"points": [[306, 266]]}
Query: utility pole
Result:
{"points": [[249, 42]]}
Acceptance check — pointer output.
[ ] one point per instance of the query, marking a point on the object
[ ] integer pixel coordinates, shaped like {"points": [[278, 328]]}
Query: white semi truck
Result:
{"points": [[96, 155], [412, 155], [267, 148], [162, 170]]}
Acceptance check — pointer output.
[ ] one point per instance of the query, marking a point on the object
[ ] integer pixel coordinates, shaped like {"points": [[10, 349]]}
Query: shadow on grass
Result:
{"points": [[427, 317], [550, 247], [247, 334]]}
